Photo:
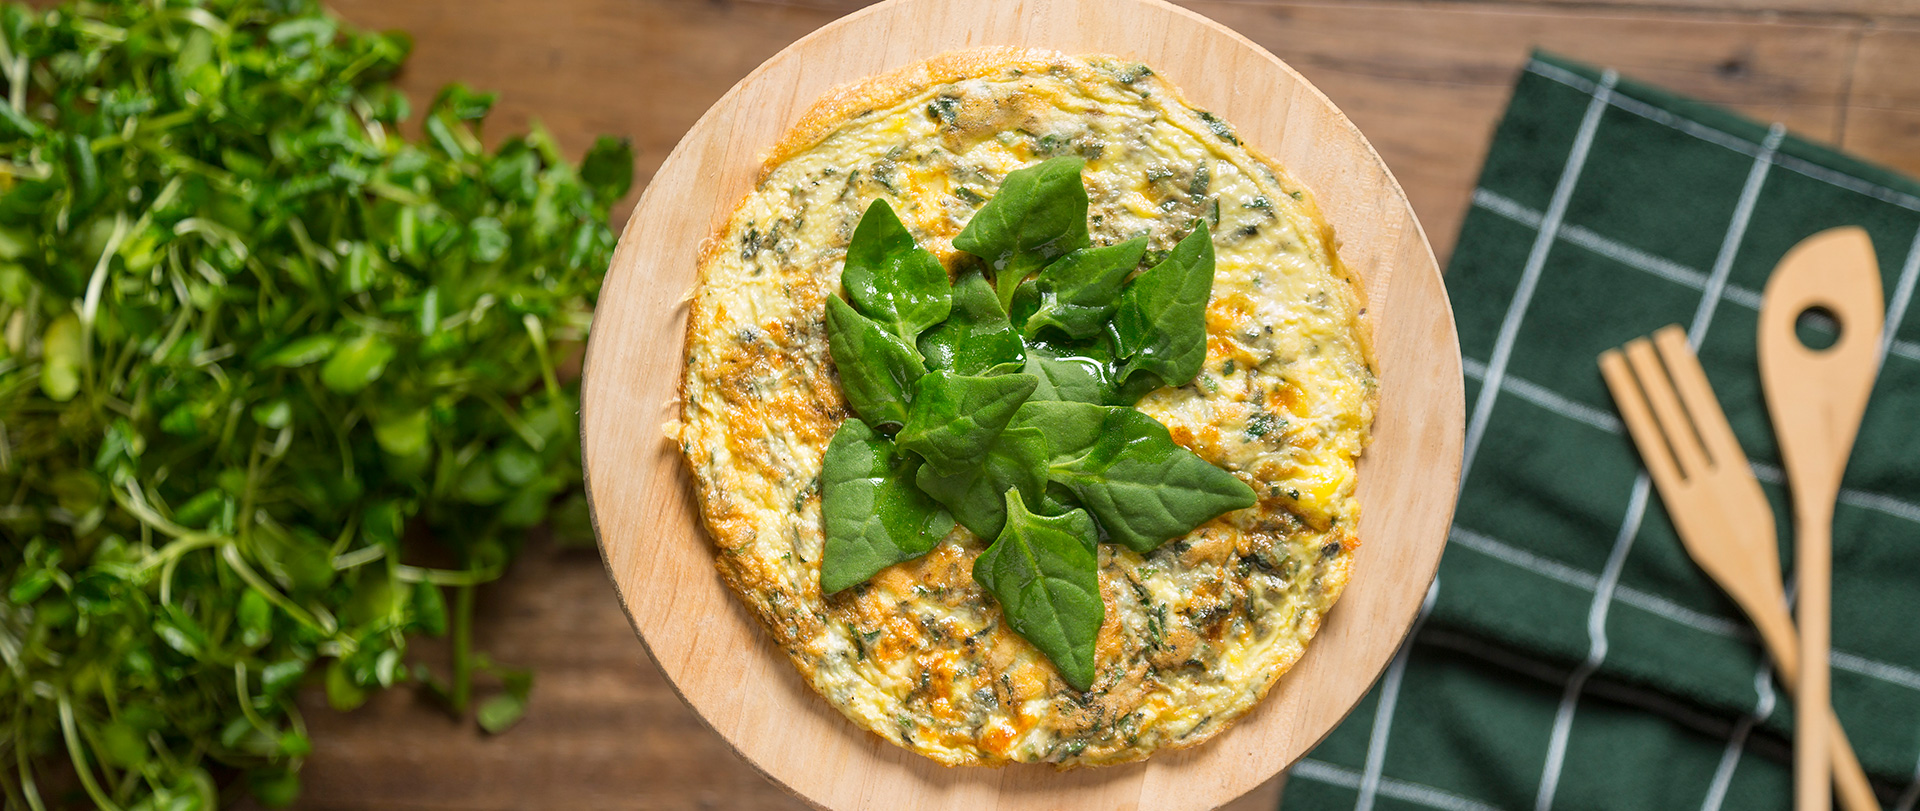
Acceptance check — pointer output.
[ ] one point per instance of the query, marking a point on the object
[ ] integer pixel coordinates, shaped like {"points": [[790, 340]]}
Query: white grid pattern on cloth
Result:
{"points": [[1370, 775], [1902, 296], [1548, 230], [1688, 277], [1896, 310], [1321, 771], [1637, 504], [1662, 607], [1603, 592], [1736, 233], [1881, 502], [1765, 698], [1736, 746], [1624, 254], [1549, 399], [1766, 154], [1604, 96], [1633, 257], [1833, 177], [1546, 398], [1571, 409], [1483, 413]]}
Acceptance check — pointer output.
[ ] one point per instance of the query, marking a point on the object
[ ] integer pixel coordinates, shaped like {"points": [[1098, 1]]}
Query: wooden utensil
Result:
{"points": [[1723, 518], [661, 560], [1816, 399]]}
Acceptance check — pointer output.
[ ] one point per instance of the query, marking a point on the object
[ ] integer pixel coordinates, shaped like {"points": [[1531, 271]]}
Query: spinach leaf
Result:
{"points": [[1045, 573], [1070, 427], [873, 514], [1136, 386], [977, 336], [1161, 323], [891, 280], [1125, 468], [955, 418], [1026, 301], [876, 369], [977, 495], [1067, 377], [997, 418], [1038, 215], [316, 333], [1077, 293]]}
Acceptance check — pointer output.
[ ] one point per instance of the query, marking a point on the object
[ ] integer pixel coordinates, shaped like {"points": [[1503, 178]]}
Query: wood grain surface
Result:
{"points": [[1425, 80]]}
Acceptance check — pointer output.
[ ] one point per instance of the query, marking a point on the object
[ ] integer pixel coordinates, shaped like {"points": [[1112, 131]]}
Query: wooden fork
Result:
{"points": [[1723, 518]]}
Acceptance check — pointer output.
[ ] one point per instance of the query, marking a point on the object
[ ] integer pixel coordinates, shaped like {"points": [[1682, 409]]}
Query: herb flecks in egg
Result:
{"points": [[1193, 632]]}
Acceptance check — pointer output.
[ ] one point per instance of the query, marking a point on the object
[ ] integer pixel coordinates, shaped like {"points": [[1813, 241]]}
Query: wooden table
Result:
{"points": [[1425, 80]]}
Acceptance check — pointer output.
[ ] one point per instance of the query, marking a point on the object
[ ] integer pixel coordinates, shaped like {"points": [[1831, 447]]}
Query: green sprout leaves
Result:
{"points": [[284, 384], [355, 364], [1006, 405]]}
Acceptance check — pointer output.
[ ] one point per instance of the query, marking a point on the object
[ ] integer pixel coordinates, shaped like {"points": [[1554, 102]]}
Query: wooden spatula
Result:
{"points": [[1723, 518], [1816, 398]]}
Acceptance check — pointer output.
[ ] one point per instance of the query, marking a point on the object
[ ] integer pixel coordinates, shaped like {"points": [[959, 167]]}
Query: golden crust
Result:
{"points": [[887, 89], [808, 406]]}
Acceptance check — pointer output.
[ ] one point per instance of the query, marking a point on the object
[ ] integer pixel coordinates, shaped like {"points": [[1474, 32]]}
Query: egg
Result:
{"points": [[1198, 630]]}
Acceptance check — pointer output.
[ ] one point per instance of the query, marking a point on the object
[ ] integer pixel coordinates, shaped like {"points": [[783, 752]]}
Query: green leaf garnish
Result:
{"points": [[1160, 326], [977, 336], [1077, 293], [1079, 378], [873, 514], [1070, 427], [890, 280], [1009, 413], [1124, 467], [1038, 215], [877, 369], [955, 418], [1045, 573], [977, 495]]}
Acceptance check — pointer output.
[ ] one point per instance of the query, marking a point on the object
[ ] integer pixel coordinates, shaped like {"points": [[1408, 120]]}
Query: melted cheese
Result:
{"points": [[1196, 631]]}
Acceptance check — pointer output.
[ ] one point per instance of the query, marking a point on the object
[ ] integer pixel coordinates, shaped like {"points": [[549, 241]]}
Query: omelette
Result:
{"points": [[1196, 631]]}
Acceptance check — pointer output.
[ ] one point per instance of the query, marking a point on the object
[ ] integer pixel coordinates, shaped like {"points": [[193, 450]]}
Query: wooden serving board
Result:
{"points": [[660, 558]]}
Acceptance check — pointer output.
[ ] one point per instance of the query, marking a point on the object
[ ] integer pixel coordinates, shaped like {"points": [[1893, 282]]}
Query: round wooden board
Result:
{"points": [[660, 559]]}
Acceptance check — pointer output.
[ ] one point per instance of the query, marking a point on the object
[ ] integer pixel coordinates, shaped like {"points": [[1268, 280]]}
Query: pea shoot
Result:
{"points": [[279, 387]]}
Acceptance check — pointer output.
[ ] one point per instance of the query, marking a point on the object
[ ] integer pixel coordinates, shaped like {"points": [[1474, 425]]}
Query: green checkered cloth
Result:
{"points": [[1570, 655]]}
